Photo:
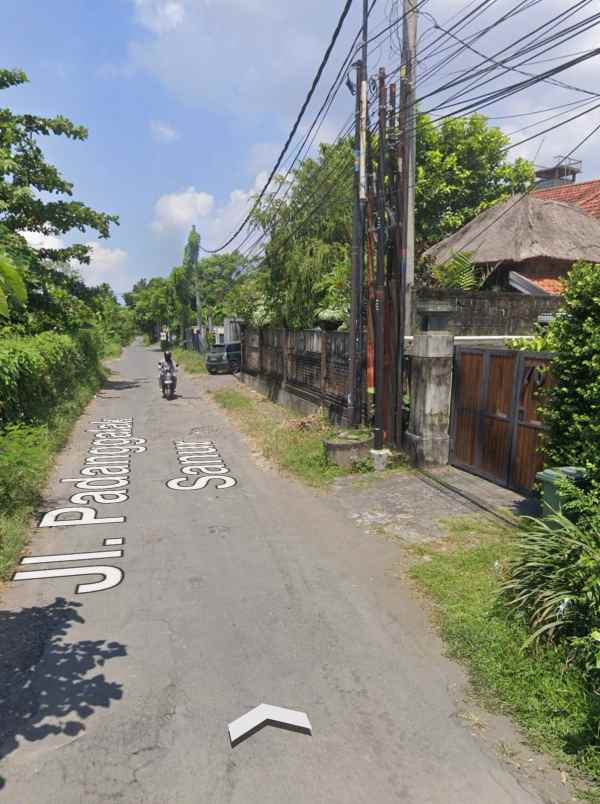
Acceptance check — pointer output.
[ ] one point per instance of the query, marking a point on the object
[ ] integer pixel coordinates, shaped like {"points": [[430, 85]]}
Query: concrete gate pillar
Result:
{"points": [[428, 438]]}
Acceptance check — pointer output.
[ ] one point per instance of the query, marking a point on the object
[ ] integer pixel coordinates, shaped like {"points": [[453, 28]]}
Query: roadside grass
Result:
{"points": [[112, 348], [545, 696], [27, 455], [296, 445], [190, 360]]}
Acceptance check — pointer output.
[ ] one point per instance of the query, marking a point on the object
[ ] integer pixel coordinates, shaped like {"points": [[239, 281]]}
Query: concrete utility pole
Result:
{"points": [[378, 430], [355, 339], [355, 355], [408, 123]]}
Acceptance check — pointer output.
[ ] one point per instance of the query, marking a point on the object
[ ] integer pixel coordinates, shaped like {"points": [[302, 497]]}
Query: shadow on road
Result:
{"points": [[123, 385], [45, 682]]}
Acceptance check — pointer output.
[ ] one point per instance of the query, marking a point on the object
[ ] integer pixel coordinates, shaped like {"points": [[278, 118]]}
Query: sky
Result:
{"points": [[188, 102]]}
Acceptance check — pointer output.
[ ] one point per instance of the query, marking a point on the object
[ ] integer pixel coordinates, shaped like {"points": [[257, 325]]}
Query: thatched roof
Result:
{"points": [[522, 228]]}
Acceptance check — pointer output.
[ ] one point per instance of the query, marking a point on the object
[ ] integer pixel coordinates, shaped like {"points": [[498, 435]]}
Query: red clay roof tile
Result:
{"points": [[586, 194], [555, 286]]}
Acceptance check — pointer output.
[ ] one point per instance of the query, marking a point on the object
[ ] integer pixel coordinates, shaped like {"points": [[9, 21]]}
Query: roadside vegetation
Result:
{"points": [[294, 444], [54, 329], [538, 686], [190, 360]]}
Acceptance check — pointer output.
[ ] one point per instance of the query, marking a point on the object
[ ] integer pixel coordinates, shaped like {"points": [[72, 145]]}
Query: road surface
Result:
{"points": [[256, 592]]}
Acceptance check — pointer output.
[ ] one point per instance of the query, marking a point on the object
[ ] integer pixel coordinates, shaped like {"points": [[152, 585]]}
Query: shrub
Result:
{"points": [[571, 408], [37, 372], [553, 584]]}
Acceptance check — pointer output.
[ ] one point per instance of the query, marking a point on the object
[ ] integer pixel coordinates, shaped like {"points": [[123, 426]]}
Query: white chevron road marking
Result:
{"points": [[273, 715]]}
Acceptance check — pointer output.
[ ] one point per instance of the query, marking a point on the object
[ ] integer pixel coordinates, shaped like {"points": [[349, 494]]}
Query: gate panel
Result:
{"points": [[526, 458], [468, 375], [495, 425], [496, 411]]}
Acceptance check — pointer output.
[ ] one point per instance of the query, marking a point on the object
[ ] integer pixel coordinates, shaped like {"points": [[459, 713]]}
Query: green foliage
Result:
{"points": [[216, 277], [25, 177], [549, 698], [460, 273], [306, 269], [296, 447], [152, 304], [571, 408], [12, 287], [304, 278], [249, 300], [171, 301], [461, 170], [191, 361], [38, 372], [26, 453], [553, 584]]}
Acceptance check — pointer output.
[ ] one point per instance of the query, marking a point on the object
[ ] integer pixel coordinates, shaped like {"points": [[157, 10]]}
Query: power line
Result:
{"points": [[292, 133], [472, 104]]}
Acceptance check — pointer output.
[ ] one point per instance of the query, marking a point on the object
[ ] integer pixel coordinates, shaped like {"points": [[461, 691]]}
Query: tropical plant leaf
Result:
{"points": [[11, 284]]}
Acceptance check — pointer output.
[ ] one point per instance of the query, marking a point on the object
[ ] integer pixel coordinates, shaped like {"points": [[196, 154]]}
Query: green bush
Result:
{"points": [[571, 408], [37, 372], [553, 584], [24, 457]]}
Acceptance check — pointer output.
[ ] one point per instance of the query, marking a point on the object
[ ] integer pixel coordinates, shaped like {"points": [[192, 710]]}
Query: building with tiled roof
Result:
{"points": [[529, 242], [585, 194]]}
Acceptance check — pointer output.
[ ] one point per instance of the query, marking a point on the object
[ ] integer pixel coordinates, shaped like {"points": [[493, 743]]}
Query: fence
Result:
{"points": [[310, 365]]}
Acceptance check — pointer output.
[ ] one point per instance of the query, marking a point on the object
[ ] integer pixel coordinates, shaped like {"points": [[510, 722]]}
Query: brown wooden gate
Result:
{"points": [[494, 427]]}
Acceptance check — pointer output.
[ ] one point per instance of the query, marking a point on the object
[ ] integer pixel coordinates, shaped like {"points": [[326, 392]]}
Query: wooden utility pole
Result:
{"points": [[408, 120]]}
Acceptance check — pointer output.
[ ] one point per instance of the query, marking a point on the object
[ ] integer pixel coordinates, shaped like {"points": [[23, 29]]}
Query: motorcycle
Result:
{"points": [[167, 382]]}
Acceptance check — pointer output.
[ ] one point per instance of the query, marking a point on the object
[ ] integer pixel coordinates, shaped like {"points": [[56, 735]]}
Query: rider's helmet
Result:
{"points": [[168, 356]]}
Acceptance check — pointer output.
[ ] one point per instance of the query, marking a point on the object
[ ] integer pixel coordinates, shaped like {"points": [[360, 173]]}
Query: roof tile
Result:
{"points": [[555, 286], [585, 194]]}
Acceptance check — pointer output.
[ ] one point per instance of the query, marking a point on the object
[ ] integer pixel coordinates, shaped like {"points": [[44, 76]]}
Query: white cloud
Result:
{"points": [[178, 211], [106, 264], [237, 54], [38, 240], [163, 133], [160, 16]]}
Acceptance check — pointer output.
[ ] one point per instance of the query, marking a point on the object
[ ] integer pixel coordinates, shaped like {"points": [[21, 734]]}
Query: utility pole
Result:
{"points": [[408, 123], [380, 275], [356, 340]]}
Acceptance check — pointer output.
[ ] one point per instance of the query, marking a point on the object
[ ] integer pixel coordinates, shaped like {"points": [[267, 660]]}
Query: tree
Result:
{"points": [[571, 409], [180, 282], [152, 304], [461, 170], [309, 226], [12, 286], [25, 176], [216, 276], [190, 265]]}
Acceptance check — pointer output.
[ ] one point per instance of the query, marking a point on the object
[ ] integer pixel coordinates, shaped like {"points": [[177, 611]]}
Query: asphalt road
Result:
{"points": [[257, 592]]}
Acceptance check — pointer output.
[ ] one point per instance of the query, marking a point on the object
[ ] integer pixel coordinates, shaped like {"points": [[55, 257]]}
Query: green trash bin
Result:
{"points": [[549, 480]]}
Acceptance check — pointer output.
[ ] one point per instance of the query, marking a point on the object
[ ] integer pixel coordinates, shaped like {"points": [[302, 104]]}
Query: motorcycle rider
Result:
{"points": [[168, 364]]}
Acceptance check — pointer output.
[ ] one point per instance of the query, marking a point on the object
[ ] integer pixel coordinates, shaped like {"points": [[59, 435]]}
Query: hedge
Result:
{"points": [[38, 372]]}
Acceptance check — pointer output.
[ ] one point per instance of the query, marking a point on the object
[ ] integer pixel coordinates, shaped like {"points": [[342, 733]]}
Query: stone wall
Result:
{"points": [[486, 312]]}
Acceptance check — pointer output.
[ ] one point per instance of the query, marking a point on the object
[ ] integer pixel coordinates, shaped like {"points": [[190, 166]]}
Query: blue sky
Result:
{"points": [[188, 101]]}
